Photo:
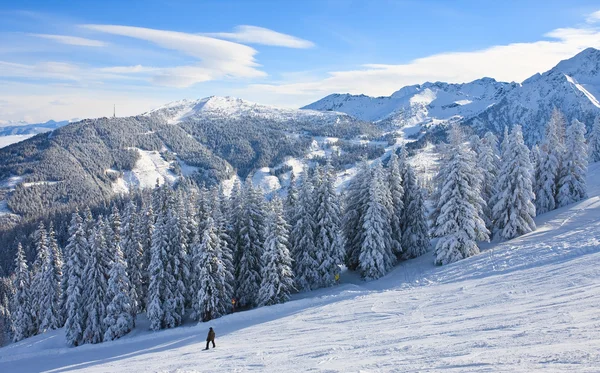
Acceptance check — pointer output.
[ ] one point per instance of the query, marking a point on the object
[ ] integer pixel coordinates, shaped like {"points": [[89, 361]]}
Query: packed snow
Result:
{"points": [[521, 305]]}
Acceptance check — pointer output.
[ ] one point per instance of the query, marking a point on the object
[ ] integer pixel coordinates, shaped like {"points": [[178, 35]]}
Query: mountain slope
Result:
{"points": [[573, 86], [85, 163], [522, 305], [420, 103]]}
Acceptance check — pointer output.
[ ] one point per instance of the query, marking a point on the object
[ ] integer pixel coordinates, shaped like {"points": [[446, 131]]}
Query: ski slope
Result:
{"points": [[530, 304]]}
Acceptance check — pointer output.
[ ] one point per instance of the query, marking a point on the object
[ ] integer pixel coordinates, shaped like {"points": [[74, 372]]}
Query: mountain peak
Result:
{"points": [[584, 64]]}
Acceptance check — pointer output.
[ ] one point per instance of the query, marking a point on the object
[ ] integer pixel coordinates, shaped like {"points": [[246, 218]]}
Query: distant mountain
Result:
{"points": [[424, 103], [573, 86], [22, 128], [231, 108], [210, 140]]}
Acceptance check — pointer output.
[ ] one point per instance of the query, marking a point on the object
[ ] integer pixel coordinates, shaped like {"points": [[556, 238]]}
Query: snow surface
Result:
{"points": [[529, 304], [149, 168]]}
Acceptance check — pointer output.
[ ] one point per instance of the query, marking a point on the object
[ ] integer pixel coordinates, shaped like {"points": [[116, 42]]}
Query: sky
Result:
{"points": [[76, 59]]}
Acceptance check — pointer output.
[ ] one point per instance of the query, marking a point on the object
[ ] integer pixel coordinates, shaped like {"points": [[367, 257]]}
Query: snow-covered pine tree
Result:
{"points": [[37, 281], [415, 230], [376, 257], [133, 254], [75, 306], [551, 155], [116, 226], [66, 261], [209, 301], [356, 202], [514, 210], [220, 214], [395, 182], [57, 279], [177, 254], [594, 141], [302, 242], [574, 169], [291, 199], [145, 230], [95, 284], [251, 241], [158, 285], [118, 320], [277, 276], [459, 224], [47, 281], [488, 161], [330, 255], [22, 317]]}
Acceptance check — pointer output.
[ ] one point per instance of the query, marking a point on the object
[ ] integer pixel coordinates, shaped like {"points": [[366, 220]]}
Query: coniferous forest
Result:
{"points": [[190, 251]]}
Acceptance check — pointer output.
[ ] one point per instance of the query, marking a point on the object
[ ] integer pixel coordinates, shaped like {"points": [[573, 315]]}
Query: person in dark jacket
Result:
{"points": [[210, 338]]}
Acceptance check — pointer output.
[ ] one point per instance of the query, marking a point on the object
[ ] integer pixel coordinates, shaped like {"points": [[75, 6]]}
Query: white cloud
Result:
{"points": [[593, 17], [511, 62], [265, 36], [72, 40], [217, 58]]}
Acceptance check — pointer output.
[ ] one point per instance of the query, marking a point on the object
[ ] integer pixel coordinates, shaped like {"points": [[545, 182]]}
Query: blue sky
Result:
{"points": [[67, 59]]}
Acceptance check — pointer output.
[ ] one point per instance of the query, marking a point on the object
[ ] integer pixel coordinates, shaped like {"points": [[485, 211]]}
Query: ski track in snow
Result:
{"points": [[529, 304]]}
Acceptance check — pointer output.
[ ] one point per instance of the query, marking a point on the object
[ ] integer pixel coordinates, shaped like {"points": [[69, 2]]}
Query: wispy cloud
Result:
{"points": [[264, 36], [217, 58], [593, 17], [72, 40]]}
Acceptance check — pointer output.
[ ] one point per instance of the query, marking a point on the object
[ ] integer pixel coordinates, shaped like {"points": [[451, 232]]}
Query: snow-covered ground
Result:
{"points": [[149, 168], [529, 304]]}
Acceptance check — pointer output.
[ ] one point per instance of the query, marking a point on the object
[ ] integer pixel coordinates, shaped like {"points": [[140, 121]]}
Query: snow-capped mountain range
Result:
{"points": [[573, 86]]}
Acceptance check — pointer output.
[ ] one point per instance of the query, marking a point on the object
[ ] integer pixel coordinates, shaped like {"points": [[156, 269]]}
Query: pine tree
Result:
{"points": [[514, 210], [291, 200], [594, 141], [145, 230], [459, 224], [396, 183], [177, 251], [415, 231], [251, 240], [133, 251], [77, 248], [158, 287], [37, 282], [302, 243], [277, 277], [95, 284], [574, 171], [23, 324], [489, 163], [376, 257], [330, 255], [209, 301], [118, 320], [551, 155], [221, 220], [357, 199], [47, 282]]}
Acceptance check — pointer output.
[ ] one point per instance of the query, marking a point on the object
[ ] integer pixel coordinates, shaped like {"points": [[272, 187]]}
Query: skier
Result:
{"points": [[210, 338]]}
